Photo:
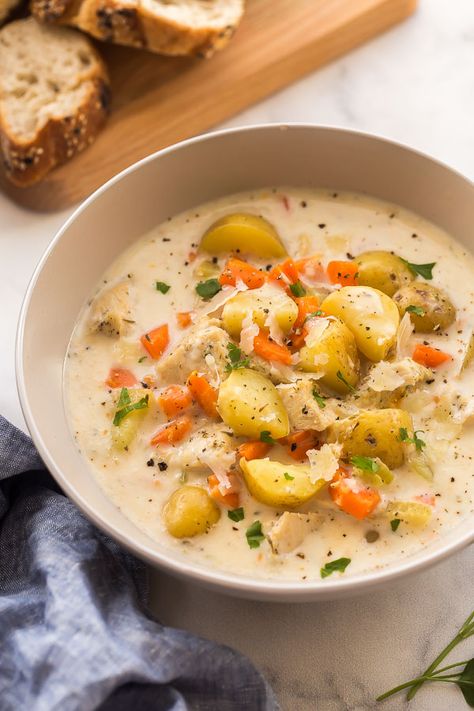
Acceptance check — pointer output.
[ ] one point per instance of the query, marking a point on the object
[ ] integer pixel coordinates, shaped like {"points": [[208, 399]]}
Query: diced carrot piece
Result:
{"points": [[429, 357], [156, 341], [356, 502], [311, 268], [344, 273], [297, 340], [269, 350], [204, 394], [306, 305], [174, 432], [284, 274], [230, 501], [120, 378], [299, 442], [192, 256], [236, 270], [184, 318], [174, 400], [254, 449]]}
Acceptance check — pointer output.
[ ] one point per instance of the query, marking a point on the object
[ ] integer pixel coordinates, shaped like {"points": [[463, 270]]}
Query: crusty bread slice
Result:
{"points": [[173, 27], [6, 8], [54, 97]]}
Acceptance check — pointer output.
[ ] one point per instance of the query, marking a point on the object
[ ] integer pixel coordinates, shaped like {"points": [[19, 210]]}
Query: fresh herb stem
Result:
{"points": [[462, 678], [466, 630], [421, 680]]}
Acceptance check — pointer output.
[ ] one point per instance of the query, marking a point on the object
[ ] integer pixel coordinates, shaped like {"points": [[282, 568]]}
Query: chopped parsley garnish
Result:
{"points": [[341, 377], [415, 310], [319, 399], [254, 534], [208, 289], [338, 565], [288, 477], [297, 289], [266, 437], [394, 524], [423, 270], [236, 514], [367, 464], [125, 406], [417, 441], [235, 358], [161, 286]]}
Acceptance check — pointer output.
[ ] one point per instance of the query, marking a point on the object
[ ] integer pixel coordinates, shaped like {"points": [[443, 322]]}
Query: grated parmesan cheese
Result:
{"points": [[404, 334], [275, 330], [384, 377], [317, 326], [248, 333], [221, 298], [324, 462], [212, 365]]}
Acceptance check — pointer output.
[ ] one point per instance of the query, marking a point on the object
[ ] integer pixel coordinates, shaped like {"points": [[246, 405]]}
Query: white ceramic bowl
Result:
{"points": [[141, 197]]}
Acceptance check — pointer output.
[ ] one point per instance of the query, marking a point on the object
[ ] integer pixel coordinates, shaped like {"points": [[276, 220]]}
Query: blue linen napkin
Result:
{"points": [[74, 631]]}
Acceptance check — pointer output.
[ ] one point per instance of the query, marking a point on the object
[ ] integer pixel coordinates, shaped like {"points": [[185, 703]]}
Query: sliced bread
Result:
{"points": [[6, 8], [54, 97], [172, 27]]}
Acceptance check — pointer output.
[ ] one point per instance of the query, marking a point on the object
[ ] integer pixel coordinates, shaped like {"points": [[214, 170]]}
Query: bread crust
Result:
{"points": [[27, 162], [114, 21]]}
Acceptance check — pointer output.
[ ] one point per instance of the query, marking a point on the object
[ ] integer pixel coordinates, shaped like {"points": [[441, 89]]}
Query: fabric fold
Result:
{"points": [[74, 631]]}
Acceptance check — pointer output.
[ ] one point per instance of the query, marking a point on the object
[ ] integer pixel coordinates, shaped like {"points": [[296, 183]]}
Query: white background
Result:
{"points": [[414, 84]]}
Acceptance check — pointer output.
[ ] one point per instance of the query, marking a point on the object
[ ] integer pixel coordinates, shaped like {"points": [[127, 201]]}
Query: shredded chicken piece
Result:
{"points": [[213, 447], [291, 529], [387, 382], [303, 410], [111, 311], [201, 340]]}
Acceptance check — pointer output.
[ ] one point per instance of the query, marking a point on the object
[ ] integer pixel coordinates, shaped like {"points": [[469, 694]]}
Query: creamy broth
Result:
{"points": [[139, 480]]}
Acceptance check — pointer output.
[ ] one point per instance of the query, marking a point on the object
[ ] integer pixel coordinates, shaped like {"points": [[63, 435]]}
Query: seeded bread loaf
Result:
{"points": [[172, 27], [54, 97]]}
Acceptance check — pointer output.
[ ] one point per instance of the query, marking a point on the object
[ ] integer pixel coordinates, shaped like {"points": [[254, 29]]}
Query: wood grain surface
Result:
{"points": [[158, 100]]}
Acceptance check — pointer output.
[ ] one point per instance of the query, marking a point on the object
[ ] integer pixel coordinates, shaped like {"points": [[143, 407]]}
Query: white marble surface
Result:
{"points": [[414, 84]]}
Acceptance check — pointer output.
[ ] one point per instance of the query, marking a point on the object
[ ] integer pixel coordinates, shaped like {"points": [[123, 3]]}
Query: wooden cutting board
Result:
{"points": [[158, 100]]}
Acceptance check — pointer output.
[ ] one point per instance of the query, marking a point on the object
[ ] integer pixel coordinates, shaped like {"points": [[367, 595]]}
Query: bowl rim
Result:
{"points": [[215, 578]]}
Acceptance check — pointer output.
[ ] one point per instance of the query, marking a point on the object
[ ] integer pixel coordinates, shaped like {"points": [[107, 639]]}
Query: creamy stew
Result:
{"points": [[278, 384]]}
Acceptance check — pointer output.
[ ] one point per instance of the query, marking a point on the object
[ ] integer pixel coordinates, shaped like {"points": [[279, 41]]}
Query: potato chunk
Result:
{"points": [[383, 271], [374, 433], [189, 512], [432, 307], [410, 512], [248, 234], [262, 303], [267, 482], [331, 349], [249, 403], [128, 427], [370, 314]]}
